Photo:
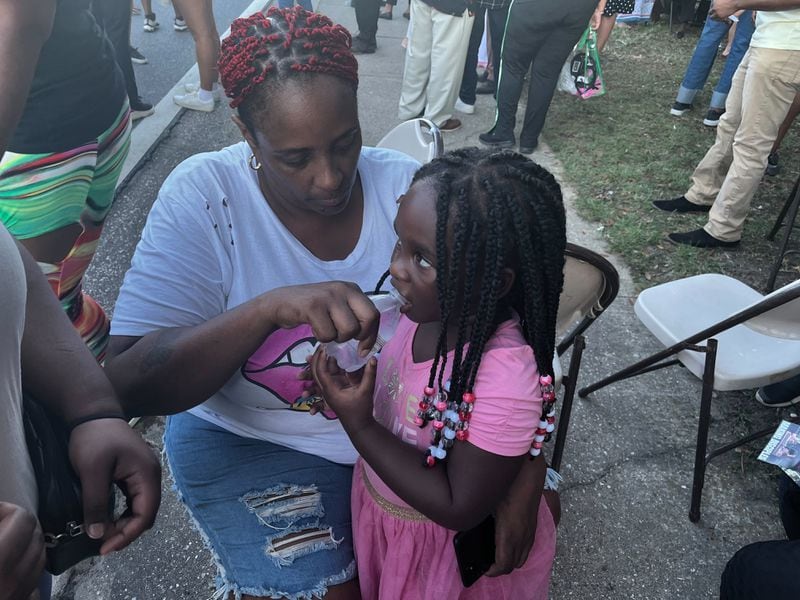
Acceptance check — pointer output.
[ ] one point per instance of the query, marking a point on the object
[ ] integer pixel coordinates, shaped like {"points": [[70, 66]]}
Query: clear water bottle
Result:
{"points": [[346, 353]]}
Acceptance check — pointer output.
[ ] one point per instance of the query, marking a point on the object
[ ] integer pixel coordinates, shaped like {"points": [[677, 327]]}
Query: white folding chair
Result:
{"points": [[419, 138], [725, 333]]}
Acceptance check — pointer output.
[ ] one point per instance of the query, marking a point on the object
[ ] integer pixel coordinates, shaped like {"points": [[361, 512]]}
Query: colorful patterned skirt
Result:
{"points": [[42, 193]]}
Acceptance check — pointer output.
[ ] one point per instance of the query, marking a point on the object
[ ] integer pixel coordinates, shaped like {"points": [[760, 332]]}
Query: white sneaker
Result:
{"points": [[463, 107], [179, 25], [192, 101], [150, 23], [193, 88]]}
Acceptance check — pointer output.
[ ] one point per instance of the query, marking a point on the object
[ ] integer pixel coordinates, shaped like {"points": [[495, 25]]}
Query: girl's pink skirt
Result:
{"points": [[402, 554]]}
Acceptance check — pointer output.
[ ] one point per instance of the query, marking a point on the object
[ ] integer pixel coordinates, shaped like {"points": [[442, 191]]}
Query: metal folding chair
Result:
{"points": [[750, 340], [419, 138], [787, 217], [590, 285]]}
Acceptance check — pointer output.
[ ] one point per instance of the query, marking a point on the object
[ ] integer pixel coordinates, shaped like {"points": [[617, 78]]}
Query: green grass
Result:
{"points": [[624, 149]]}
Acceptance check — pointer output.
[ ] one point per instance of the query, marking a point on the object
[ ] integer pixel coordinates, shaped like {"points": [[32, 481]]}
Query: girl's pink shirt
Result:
{"points": [[508, 401]]}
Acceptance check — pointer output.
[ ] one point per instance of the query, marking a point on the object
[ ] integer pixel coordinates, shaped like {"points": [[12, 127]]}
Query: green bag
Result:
{"points": [[585, 67]]}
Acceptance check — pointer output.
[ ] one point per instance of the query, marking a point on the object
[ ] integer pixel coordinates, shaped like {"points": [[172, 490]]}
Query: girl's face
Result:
{"points": [[308, 145], [413, 267]]}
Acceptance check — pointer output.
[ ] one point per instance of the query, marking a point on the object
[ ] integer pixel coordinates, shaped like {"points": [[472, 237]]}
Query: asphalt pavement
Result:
{"points": [[627, 467]]}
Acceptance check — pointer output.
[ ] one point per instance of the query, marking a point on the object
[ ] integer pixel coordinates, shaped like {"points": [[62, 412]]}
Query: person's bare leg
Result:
{"points": [[147, 7], [604, 31], [199, 16], [794, 110]]}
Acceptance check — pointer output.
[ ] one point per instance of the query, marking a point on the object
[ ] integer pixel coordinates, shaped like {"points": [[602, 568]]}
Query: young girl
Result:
{"points": [[462, 393]]}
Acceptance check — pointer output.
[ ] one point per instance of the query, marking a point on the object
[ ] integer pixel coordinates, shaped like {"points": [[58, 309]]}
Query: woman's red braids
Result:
{"points": [[284, 41]]}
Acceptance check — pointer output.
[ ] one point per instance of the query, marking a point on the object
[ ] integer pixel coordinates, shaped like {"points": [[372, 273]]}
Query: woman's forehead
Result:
{"points": [[310, 111]]}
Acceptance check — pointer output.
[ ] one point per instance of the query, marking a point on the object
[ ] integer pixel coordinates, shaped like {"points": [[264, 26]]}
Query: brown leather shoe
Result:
{"points": [[450, 125]]}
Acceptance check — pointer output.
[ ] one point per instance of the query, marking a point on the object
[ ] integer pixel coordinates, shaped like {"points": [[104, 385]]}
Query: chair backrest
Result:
{"points": [[783, 321], [590, 285], [419, 138]]}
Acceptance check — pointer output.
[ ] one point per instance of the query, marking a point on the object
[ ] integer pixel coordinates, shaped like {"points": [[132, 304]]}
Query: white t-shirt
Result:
{"points": [[779, 30], [17, 484], [211, 243]]}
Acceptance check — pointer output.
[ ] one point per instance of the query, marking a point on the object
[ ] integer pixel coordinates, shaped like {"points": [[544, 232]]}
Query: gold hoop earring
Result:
{"points": [[253, 162]]}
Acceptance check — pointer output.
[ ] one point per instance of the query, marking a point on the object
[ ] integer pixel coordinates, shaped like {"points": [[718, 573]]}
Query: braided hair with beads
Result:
{"points": [[283, 44], [495, 210]]}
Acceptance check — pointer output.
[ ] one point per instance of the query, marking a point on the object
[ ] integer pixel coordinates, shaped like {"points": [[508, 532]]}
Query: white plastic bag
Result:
{"points": [[566, 82]]}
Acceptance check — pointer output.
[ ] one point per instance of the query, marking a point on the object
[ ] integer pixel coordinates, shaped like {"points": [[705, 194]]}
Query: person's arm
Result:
{"points": [[516, 518], [62, 374], [172, 370], [594, 23], [21, 552], [722, 9], [457, 493], [25, 26]]}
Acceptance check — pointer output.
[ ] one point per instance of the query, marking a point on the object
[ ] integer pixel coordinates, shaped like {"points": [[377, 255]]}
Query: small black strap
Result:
{"points": [[81, 420]]}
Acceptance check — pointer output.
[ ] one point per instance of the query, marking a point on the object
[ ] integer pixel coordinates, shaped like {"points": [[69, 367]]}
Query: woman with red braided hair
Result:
{"points": [[237, 277]]}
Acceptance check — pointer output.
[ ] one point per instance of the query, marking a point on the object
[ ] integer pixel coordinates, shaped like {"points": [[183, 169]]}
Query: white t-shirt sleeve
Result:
{"points": [[177, 275]]}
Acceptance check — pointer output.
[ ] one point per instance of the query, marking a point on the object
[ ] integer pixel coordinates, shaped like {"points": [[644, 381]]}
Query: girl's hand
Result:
{"points": [[349, 395]]}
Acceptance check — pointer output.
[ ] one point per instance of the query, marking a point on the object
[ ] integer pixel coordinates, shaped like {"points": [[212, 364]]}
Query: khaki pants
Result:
{"points": [[437, 49], [726, 179]]}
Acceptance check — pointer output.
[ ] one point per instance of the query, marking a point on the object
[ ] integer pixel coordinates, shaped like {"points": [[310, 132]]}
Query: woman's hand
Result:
{"points": [[516, 519], [349, 395], [594, 22], [336, 311], [105, 451], [722, 9]]}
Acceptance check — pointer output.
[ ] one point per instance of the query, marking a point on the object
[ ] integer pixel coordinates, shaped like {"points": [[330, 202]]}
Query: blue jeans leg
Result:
{"points": [[741, 42], [702, 60]]}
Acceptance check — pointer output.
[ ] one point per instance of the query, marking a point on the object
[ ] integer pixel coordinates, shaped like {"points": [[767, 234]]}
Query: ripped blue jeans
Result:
{"points": [[276, 520]]}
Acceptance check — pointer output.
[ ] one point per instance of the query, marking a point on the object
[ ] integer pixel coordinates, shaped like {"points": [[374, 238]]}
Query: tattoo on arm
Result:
{"points": [[160, 352]]}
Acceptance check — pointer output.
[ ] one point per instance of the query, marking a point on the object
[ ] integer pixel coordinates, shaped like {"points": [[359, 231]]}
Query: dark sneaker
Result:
{"points": [[679, 109], [713, 116], [679, 205], [781, 394], [361, 46], [700, 238], [527, 149], [137, 57], [385, 15], [772, 164], [493, 140], [150, 23], [450, 125], [141, 109]]}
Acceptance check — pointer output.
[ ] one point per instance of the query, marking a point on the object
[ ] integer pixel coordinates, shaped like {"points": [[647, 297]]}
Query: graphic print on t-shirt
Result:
{"points": [[277, 363]]}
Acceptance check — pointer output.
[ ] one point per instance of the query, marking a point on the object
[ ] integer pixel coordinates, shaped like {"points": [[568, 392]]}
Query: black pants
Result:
{"points": [[768, 570], [114, 17], [367, 18], [497, 28], [542, 33]]}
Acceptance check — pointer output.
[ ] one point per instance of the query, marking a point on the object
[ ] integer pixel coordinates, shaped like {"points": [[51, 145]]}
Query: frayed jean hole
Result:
{"points": [[281, 506], [284, 548]]}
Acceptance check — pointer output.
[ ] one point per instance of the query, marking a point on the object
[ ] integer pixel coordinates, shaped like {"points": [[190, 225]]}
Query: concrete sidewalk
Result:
{"points": [[627, 467]]}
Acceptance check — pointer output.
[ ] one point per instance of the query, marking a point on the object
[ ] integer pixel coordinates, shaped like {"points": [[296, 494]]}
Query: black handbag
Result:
{"points": [[60, 509]]}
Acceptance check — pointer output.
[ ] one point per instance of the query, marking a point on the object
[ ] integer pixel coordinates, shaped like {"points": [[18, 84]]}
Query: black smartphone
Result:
{"points": [[475, 551]]}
